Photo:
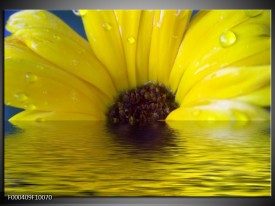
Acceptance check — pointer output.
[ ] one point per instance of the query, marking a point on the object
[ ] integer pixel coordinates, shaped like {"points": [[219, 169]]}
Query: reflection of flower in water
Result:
{"points": [[232, 155], [83, 158], [218, 66], [222, 131], [11, 129], [152, 138]]}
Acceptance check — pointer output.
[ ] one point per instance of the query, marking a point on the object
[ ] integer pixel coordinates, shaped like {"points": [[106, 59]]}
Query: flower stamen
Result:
{"points": [[147, 103]]}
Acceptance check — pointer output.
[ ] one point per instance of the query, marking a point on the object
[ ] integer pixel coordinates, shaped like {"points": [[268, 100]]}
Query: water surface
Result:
{"points": [[173, 159]]}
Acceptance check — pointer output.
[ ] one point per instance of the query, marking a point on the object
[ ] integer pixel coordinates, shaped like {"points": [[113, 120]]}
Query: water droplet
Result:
{"points": [[253, 13], [131, 40], [13, 22], [34, 45], [75, 62], [30, 107], [107, 26], [81, 51], [44, 92], [76, 12], [79, 12], [74, 96], [83, 12], [75, 99], [20, 96], [228, 38], [39, 119], [196, 112], [213, 75], [56, 37], [92, 37], [39, 66], [16, 23], [21, 25], [178, 13], [175, 36], [158, 24], [30, 77], [40, 14]]}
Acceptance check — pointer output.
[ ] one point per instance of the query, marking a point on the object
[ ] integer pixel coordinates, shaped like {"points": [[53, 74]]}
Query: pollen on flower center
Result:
{"points": [[147, 103]]}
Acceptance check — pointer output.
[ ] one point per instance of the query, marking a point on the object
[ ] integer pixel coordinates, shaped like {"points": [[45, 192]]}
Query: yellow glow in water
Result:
{"points": [[89, 159]]}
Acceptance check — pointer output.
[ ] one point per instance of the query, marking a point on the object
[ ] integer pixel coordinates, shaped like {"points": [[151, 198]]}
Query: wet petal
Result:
{"points": [[168, 29], [41, 19], [128, 22], [235, 39], [103, 33], [259, 97], [35, 84], [41, 116], [224, 110], [143, 45], [231, 82], [68, 55], [262, 58]]}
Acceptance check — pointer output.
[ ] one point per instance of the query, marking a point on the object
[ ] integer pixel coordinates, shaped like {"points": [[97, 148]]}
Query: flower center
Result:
{"points": [[147, 103]]}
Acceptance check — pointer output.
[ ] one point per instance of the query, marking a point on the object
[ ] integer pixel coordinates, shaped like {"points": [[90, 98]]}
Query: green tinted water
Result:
{"points": [[174, 159]]}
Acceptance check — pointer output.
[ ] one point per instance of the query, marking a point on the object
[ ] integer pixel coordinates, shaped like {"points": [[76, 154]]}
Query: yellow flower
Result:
{"points": [[217, 64]]}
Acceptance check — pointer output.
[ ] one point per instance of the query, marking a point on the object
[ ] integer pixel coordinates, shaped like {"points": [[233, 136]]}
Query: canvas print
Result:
{"points": [[141, 103]]}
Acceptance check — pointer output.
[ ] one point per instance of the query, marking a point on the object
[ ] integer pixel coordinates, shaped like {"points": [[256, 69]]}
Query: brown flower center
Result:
{"points": [[146, 103]]}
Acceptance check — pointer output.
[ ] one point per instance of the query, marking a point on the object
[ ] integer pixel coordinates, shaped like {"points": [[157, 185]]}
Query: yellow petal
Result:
{"points": [[143, 45], [41, 116], [33, 83], [235, 37], [68, 55], [128, 22], [45, 21], [262, 58], [41, 19], [229, 83], [168, 29], [222, 110], [103, 34], [259, 97]]}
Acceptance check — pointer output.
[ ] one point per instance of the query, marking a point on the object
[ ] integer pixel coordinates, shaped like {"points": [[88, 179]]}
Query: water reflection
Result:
{"points": [[157, 137], [173, 159], [10, 129]]}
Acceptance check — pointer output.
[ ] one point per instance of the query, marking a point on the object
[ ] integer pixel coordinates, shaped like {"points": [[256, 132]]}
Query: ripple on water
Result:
{"points": [[174, 159]]}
